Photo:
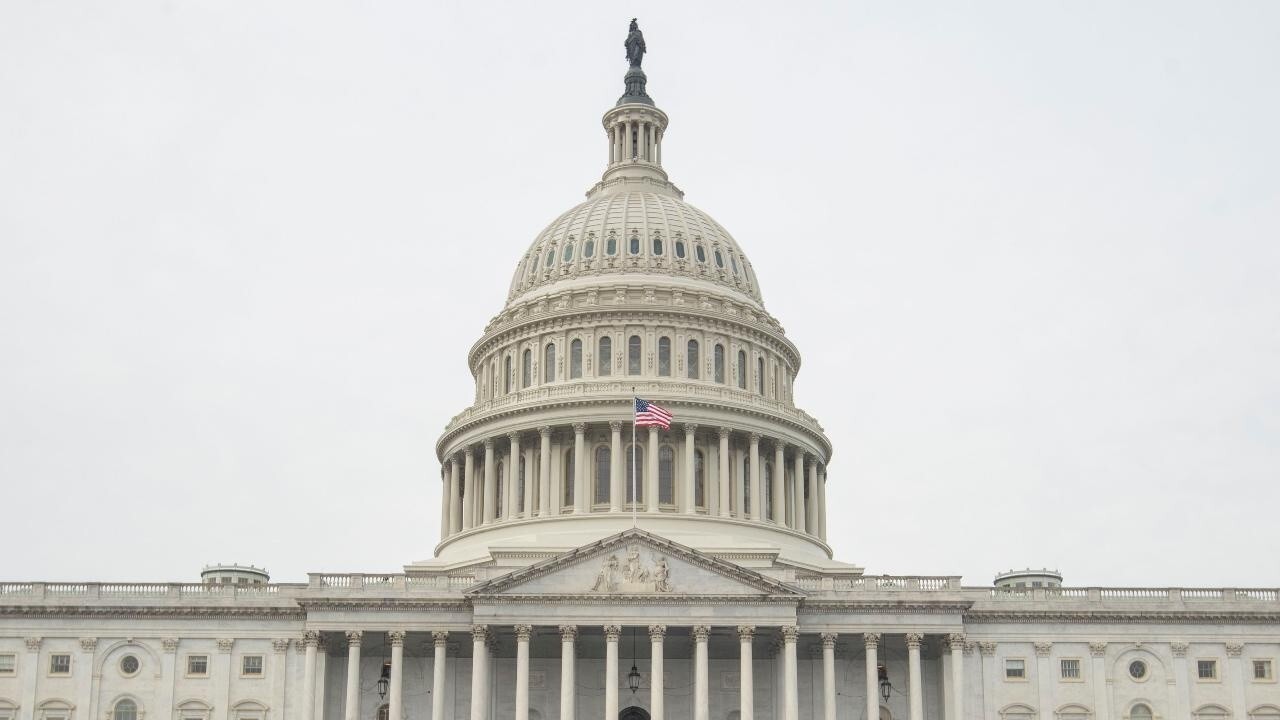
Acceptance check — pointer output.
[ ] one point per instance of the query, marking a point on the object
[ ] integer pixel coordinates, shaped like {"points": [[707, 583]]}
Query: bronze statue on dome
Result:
{"points": [[635, 45]]}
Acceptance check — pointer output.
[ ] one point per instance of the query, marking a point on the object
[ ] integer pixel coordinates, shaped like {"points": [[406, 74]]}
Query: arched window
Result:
{"points": [[742, 369], [691, 359], [125, 709], [551, 256], [1265, 712], [657, 244], [635, 483], [666, 475], [1211, 712], [633, 355], [1017, 712], [499, 483], [384, 711], [566, 499], [520, 485], [611, 246], [680, 249], [768, 490], [699, 253], [575, 359], [1140, 712], [506, 374], [746, 484], [719, 363], [719, 259], [568, 252], [589, 248], [634, 245], [604, 359], [664, 356], [760, 375], [699, 479], [604, 470], [549, 363], [526, 368], [1073, 712]]}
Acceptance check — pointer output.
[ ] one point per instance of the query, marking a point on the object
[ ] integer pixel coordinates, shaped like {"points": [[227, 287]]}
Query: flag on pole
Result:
{"points": [[649, 414]]}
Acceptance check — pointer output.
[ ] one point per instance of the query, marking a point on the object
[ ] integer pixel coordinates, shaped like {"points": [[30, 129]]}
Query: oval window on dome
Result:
{"points": [[657, 245], [680, 249], [719, 260], [635, 245], [589, 248], [611, 247], [699, 253], [551, 257], [568, 252]]}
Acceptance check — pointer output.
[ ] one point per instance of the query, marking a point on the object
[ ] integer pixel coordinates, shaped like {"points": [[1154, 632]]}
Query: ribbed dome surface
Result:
{"points": [[635, 232]]}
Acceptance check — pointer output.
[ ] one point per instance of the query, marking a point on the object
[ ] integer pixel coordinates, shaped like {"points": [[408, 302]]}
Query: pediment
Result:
{"points": [[634, 563]]}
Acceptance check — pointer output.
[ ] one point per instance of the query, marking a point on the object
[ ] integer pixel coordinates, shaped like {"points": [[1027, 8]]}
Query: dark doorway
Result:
{"points": [[633, 713]]}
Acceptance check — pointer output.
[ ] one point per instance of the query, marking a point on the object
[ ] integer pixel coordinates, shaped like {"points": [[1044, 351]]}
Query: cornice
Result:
{"points": [[638, 599], [385, 604], [132, 612], [835, 607], [1148, 617]]}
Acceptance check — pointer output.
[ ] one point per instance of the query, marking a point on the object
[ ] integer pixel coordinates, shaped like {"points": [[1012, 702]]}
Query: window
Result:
{"points": [[52, 710], [1140, 712], [551, 256], [760, 376], [1015, 669], [611, 246], [657, 244], [197, 665], [666, 476], [193, 710], [129, 664], [733, 260], [1138, 670], [1207, 669], [534, 265], [633, 355], [1211, 712], [691, 359], [498, 483], [680, 249], [768, 490], [506, 375], [59, 664], [251, 665], [1074, 712], [125, 710], [719, 259], [7, 710], [1070, 668], [526, 368], [742, 369], [634, 245], [719, 363], [699, 480], [549, 363], [566, 499], [8, 664], [635, 483], [604, 469], [746, 485], [664, 356], [575, 359], [699, 253], [1018, 712], [520, 484], [604, 359], [568, 252], [1265, 712], [1262, 670]]}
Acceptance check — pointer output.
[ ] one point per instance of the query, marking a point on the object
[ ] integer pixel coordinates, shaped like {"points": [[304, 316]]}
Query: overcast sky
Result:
{"points": [[1029, 251]]}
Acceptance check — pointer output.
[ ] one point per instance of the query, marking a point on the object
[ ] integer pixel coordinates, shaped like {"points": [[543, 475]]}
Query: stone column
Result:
{"points": [[701, 684], [829, 677], [797, 492], [651, 473], [988, 660], [822, 504], [746, 684], [479, 672], [756, 480], [352, 711], [512, 490], [310, 639], [455, 496], [957, 673], [1045, 678], [616, 471], [657, 690], [544, 473], [568, 634], [611, 635], [690, 495], [444, 502], [490, 484], [780, 483], [914, 688], [580, 504], [724, 476], [31, 670], [469, 486], [440, 644], [523, 633], [811, 505], [1180, 678], [396, 700], [872, 643], [1235, 676], [790, 697]]}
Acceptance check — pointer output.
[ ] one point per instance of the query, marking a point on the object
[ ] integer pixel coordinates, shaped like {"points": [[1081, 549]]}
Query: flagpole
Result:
{"points": [[635, 499]]}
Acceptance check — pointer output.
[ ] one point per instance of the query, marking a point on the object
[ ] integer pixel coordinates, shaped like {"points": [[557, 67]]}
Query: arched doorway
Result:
{"points": [[633, 713]]}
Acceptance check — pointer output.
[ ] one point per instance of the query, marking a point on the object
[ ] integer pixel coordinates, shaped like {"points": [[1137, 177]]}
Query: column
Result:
{"points": [[611, 635], [810, 505], [746, 684], [790, 698], [444, 503], [440, 643], [30, 671], [797, 492], [829, 676], [780, 483], [1045, 678], [690, 496], [724, 476], [544, 473], [659, 146], [352, 711], [822, 505], [957, 673], [756, 480], [915, 691], [651, 472], [84, 681], [395, 700], [872, 643], [989, 700], [511, 492], [701, 684], [479, 671], [490, 485], [568, 634], [616, 467], [657, 690], [523, 633], [221, 679], [469, 489], [455, 496], [310, 639], [579, 467], [1235, 676]]}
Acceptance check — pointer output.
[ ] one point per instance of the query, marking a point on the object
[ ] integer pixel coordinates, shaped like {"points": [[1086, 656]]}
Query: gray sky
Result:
{"points": [[1028, 251]]}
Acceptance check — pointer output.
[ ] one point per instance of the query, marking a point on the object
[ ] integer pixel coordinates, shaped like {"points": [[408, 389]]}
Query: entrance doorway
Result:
{"points": [[633, 713]]}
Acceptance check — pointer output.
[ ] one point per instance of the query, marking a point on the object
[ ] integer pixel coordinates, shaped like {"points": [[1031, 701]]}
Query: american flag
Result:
{"points": [[648, 414]]}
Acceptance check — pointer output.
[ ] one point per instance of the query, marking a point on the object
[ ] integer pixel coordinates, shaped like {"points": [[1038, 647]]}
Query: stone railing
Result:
{"points": [[25, 591], [1106, 594], [877, 583]]}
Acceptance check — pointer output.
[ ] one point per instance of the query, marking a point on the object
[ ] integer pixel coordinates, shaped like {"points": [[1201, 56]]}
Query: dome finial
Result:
{"points": [[635, 79]]}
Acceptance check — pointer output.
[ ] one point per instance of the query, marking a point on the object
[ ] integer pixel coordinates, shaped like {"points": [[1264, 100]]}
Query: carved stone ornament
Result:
{"points": [[657, 632], [396, 638], [871, 639], [310, 638], [479, 633], [354, 638], [1234, 648], [612, 632], [829, 640], [33, 644], [280, 645], [701, 633], [987, 648], [439, 638], [1098, 649], [568, 633], [790, 633], [746, 632], [955, 641], [1043, 648], [632, 575], [914, 640], [88, 644], [170, 645], [225, 644], [1179, 649]]}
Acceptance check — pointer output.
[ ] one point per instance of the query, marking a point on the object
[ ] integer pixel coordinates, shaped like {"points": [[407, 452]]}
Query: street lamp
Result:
{"points": [[885, 686], [633, 677]]}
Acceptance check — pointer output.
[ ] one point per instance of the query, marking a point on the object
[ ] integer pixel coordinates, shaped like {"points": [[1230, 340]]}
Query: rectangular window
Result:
{"points": [[59, 664], [1262, 670], [8, 664], [251, 665], [1015, 669], [1070, 669], [1207, 669], [197, 664]]}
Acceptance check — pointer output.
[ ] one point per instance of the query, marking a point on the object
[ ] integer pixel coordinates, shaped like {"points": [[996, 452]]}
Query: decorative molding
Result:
{"points": [[701, 633], [310, 638], [657, 632], [88, 644], [396, 638], [1234, 648], [1098, 648], [1043, 648], [612, 632], [568, 633], [479, 633], [279, 645], [790, 633], [829, 640], [987, 648], [354, 638], [914, 640], [871, 639], [33, 644], [170, 644], [954, 641], [225, 645], [746, 632], [1179, 649], [439, 638]]}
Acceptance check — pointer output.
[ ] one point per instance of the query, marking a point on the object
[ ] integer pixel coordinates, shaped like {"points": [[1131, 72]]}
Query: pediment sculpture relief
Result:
{"points": [[633, 574]]}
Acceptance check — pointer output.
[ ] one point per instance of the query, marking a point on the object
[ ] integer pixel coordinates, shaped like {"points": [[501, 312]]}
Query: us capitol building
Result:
{"points": [[721, 601]]}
